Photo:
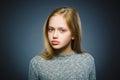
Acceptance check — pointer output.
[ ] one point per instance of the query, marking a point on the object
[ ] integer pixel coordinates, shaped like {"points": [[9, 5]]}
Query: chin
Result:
{"points": [[57, 47]]}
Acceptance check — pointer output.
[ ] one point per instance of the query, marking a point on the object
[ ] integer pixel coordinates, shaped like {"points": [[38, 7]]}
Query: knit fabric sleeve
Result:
{"points": [[33, 74], [92, 75]]}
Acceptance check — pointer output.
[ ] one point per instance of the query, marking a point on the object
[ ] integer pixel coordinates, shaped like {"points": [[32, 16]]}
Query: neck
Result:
{"points": [[65, 50]]}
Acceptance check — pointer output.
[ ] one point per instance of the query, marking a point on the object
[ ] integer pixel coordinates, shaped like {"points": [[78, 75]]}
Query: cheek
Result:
{"points": [[49, 36], [66, 38]]}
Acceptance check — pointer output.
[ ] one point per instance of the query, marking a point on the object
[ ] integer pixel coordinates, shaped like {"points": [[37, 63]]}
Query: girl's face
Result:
{"points": [[59, 34]]}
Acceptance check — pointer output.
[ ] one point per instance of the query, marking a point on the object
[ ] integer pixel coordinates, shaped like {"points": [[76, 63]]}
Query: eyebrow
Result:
{"points": [[58, 27]]}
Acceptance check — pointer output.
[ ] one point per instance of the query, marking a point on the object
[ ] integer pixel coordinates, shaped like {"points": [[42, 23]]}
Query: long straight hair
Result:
{"points": [[73, 21]]}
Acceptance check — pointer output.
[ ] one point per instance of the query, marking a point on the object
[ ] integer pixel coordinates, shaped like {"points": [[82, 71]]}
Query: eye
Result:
{"points": [[50, 29], [62, 30]]}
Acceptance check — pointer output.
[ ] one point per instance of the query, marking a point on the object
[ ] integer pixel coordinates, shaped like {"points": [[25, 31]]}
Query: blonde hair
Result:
{"points": [[73, 21]]}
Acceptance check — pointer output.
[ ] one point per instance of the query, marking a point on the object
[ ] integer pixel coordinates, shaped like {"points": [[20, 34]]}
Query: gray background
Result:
{"points": [[22, 29]]}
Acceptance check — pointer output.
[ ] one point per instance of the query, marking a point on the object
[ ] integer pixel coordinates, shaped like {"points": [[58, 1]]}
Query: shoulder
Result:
{"points": [[86, 58], [36, 59], [85, 55]]}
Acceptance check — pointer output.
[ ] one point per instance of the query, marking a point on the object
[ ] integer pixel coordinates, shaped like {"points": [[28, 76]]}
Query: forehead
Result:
{"points": [[57, 21]]}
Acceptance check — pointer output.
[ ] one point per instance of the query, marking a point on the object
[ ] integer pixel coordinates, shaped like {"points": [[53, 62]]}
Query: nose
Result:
{"points": [[55, 35]]}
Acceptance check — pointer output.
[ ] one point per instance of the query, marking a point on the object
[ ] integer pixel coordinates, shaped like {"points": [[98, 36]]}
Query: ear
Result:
{"points": [[73, 38]]}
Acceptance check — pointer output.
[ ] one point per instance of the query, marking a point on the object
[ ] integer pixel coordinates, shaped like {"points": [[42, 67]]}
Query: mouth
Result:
{"points": [[55, 42]]}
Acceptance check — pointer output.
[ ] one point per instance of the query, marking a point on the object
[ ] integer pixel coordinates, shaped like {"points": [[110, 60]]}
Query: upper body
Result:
{"points": [[63, 58], [68, 67]]}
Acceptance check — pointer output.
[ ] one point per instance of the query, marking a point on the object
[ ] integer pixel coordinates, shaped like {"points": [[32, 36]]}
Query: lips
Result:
{"points": [[55, 42]]}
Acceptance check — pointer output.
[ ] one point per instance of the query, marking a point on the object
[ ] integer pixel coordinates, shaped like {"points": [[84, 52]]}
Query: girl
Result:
{"points": [[63, 58]]}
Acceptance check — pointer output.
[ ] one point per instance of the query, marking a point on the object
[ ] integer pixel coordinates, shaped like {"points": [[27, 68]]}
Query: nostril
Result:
{"points": [[54, 36]]}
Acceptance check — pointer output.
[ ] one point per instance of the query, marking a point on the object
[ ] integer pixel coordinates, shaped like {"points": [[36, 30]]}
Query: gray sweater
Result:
{"points": [[68, 67]]}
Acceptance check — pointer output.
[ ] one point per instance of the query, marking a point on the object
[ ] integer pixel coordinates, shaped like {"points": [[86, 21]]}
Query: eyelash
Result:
{"points": [[50, 29], [61, 30]]}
